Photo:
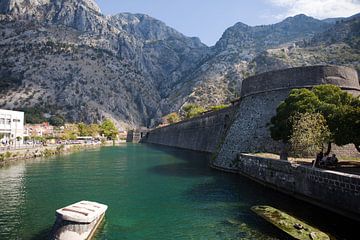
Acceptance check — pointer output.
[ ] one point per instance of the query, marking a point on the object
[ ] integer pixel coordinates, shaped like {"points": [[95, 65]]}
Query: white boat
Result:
{"points": [[82, 212], [78, 221]]}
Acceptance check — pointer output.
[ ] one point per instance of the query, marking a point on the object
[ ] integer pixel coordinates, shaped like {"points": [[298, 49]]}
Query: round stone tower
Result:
{"points": [[262, 94]]}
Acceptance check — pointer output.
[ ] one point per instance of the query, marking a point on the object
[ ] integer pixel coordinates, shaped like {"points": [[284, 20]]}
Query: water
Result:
{"points": [[152, 193]]}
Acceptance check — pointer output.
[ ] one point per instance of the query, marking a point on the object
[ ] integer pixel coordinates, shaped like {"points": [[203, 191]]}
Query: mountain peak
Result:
{"points": [[301, 18], [27, 8]]}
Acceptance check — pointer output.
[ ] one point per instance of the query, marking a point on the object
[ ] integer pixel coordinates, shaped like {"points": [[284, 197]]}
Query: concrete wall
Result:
{"points": [[203, 133], [339, 192], [260, 97]]}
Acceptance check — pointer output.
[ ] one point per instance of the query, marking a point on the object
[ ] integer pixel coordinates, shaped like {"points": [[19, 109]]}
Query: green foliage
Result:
{"points": [[94, 130], [218, 107], [349, 124], [57, 121], [70, 133], [172, 118], [34, 115], [108, 129], [309, 133], [299, 101], [193, 110], [83, 129], [88, 130], [339, 108]]}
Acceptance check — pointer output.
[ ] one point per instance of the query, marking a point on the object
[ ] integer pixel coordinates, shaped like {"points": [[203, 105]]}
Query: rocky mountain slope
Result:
{"points": [[68, 58], [244, 51], [339, 44]]}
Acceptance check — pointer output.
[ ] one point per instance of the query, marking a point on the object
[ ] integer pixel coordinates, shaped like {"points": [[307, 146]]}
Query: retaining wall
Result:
{"points": [[203, 133], [338, 192]]}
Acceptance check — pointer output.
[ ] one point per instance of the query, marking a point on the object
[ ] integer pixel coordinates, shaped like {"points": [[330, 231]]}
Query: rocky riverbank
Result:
{"points": [[43, 151]]}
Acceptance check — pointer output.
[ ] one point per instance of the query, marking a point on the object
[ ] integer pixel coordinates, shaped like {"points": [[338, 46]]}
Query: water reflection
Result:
{"points": [[12, 198]]}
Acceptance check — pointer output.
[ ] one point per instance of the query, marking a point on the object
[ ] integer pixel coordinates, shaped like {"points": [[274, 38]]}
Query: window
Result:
{"points": [[16, 120], [8, 121], [2, 120]]}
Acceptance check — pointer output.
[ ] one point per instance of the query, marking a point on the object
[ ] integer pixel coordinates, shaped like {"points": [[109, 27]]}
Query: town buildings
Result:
{"points": [[11, 127]]}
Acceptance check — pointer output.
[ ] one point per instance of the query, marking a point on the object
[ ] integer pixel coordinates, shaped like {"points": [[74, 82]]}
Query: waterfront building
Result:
{"points": [[39, 130], [11, 127]]}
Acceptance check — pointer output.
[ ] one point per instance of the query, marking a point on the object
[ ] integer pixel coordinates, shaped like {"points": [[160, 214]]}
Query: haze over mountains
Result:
{"points": [[67, 58]]}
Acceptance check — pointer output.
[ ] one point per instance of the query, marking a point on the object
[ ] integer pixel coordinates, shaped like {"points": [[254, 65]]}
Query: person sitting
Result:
{"points": [[333, 160], [318, 159]]}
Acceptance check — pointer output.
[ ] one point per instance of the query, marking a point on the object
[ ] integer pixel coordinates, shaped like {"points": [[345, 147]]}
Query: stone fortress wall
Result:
{"points": [[243, 128], [203, 133], [261, 95]]}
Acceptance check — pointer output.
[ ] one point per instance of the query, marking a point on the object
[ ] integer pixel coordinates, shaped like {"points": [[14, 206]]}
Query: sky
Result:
{"points": [[208, 19]]}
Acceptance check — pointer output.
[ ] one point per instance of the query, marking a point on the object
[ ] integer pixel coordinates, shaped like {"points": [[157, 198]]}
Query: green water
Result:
{"points": [[152, 193]]}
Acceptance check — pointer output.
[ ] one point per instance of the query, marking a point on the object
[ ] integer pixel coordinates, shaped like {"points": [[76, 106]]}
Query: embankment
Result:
{"points": [[335, 191], [47, 151]]}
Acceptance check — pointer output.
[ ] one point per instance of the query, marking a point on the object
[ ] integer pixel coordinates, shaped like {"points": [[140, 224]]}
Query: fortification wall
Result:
{"points": [[262, 94], [336, 191], [203, 133]]}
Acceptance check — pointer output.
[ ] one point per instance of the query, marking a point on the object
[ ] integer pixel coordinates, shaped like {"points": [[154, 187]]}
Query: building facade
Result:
{"points": [[39, 130], [11, 127]]}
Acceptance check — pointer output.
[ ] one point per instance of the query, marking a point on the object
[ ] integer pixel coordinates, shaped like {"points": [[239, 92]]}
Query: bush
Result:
{"points": [[172, 118], [193, 110], [218, 107]]}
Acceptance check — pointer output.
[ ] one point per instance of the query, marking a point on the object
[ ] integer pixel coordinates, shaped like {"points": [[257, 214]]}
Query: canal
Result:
{"points": [[152, 193]]}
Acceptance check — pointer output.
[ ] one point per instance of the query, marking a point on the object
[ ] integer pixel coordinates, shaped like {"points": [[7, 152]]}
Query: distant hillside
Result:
{"points": [[340, 45]]}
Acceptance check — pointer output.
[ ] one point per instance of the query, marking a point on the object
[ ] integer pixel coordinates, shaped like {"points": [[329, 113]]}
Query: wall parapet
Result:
{"points": [[301, 77]]}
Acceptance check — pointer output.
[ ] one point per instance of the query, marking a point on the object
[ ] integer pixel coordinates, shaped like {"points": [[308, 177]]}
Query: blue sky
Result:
{"points": [[208, 19]]}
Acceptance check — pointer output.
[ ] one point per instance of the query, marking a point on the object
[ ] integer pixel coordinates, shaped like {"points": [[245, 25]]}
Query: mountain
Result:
{"points": [[219, 79], [81, 64], [339, 44], [65, 57]]}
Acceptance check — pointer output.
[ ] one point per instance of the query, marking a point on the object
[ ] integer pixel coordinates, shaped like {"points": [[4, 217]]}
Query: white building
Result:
{"points": [[11, 127]]}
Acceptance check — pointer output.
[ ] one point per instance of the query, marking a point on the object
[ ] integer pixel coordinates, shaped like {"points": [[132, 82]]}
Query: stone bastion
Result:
{"points": [[262, 94]]}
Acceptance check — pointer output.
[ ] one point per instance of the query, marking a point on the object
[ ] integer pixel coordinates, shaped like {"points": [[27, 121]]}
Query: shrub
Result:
{"points": [[193, 110]]}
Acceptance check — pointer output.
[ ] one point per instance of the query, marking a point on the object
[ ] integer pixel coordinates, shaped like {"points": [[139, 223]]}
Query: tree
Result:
{"points": [[309, 133], [172, 118], [71, 132], [299, 101], [94, 130], [57, 121], [339, 108], [348, 130], [193, 110], [108, 129], [83, 129]]}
